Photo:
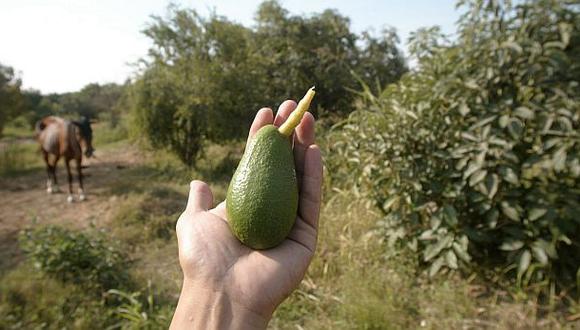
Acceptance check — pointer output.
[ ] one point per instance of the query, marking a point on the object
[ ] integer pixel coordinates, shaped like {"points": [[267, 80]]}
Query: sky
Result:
{"points": [[62, 45]]}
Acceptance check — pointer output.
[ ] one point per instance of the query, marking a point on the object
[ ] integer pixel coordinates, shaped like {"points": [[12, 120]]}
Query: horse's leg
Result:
{"points": [[82, 196], [55, 180], [70, 178], [48, 172]]}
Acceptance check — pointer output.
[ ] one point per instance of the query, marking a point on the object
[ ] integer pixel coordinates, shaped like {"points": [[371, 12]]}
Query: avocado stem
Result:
{"points": [[296, 116]]}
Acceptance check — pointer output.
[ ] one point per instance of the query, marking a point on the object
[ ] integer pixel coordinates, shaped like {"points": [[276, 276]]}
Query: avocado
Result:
{"points": [[262, 198]]}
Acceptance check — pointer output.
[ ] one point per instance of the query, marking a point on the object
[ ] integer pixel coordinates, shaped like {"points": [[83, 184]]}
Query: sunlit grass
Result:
{"points": [[18, 158]]}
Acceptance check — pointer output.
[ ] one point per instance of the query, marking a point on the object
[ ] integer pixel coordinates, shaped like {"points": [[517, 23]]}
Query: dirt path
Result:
{"points": [[24, 201]]}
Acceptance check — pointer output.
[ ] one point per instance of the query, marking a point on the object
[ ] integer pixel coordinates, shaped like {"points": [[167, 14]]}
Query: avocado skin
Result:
{"points": [[262, 198]]}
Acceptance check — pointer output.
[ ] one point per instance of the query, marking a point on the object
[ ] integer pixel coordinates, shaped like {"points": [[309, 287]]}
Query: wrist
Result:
{"points": [[202, 307]]}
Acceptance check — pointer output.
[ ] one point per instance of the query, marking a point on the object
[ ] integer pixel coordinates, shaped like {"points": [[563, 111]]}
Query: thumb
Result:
{"points": [[200, 197]]}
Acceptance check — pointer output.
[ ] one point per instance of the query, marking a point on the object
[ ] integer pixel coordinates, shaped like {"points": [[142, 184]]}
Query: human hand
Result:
{"points": [[228, 285]]}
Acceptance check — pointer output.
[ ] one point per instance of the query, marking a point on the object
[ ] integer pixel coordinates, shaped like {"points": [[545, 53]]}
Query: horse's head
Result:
{"points": [[86, 133]]}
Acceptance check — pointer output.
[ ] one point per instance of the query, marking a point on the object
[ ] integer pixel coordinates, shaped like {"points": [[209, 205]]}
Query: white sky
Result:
{"points": [[62, 45]]}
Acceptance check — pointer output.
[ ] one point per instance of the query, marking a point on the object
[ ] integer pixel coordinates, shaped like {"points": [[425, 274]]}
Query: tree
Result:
{"points": [[10, 95], [297, 52], [197, 83], [205, 77]]}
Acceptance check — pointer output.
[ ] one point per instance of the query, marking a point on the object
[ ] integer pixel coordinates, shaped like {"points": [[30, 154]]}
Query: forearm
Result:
{"points": [[201, 308]]}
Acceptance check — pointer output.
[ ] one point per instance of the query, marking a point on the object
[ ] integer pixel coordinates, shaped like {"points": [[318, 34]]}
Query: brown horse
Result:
{"points": [[63, 138]]}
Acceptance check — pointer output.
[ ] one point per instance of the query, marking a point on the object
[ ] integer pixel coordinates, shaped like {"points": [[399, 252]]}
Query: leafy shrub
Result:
{"points": [[474, 158], [19, 158], [139, 311], [74, 257], [10, 94], [148, 217], [32, 302]]}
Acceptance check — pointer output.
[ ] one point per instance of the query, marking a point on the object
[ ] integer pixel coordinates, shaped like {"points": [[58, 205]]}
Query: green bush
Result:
{"points": [[474, 158], [140, 311], [148, 217], [74, 257], [10, 94], [19, 158], [32, 302]]}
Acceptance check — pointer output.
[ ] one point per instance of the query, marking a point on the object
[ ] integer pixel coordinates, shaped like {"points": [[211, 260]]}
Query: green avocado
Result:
{"points": [[262, 198]]}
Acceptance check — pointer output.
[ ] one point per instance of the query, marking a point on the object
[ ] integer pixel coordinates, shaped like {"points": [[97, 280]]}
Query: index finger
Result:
{"points": [[263, 118]]}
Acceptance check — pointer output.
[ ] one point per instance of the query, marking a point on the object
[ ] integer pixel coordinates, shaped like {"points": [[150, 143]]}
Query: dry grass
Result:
{"points": [[352, 285]]}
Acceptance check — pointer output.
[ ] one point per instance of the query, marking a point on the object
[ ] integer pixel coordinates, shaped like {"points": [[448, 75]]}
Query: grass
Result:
{"points": [[18, 128], [351, 284], [104, 134], [19, 158]]}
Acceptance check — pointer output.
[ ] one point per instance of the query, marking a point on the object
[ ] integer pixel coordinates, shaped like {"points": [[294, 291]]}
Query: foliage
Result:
{"points": [[149, 216], [138, 311], [321, 50], [474, 159], [205, 77], [74, 257], [19, 158], [92, 101], [10, 95], [32, 302]]}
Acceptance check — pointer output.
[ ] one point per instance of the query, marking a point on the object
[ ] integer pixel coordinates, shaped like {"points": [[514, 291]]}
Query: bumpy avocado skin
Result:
{"points": [[262, 198]]}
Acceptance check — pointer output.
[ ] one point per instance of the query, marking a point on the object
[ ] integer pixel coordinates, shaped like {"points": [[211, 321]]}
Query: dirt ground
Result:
{"points": [[25, 202]]}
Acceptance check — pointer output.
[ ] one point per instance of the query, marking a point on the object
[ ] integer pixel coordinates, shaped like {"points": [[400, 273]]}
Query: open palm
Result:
{"points": [[258, 281]]}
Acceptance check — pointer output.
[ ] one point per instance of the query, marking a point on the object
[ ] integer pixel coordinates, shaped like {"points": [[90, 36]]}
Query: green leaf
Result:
{"points": [[509, 211], [451, 259], [436, 266], [492, 185], [434, 249], [547, 247], [540, 255], [471, 84], [512, 45], [511, 245], [509, 175], [554, 44], [472, 168], [560, 159], [491, 218], [435, 222], [461, 163], [461, 252], [450, 215], [565, 31], [390, 202], [463, 109], [477, 177], [469, 136], [524, 262], [504, 121], [427, 235], [536, 213], [524, 113], [515, 128]]}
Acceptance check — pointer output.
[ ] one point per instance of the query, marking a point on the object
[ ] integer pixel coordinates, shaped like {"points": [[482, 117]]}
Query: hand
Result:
{"points": [[228, 285]]}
